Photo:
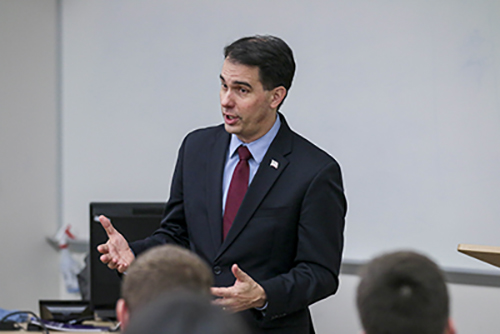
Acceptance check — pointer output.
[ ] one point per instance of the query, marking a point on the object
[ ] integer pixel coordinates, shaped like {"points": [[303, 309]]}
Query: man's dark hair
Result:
{"points": [[403, 292], [270, 54]]}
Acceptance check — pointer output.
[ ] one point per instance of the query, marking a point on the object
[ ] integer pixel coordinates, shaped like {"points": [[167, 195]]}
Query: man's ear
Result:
{"points": [[277, 96], [122, 313], [450, 329]]}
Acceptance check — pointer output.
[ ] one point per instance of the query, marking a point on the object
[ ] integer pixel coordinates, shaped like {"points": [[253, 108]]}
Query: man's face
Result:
{"points": [[248, 110]]}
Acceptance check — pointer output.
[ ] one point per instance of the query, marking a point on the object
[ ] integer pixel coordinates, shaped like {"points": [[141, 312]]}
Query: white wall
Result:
{"points": [[405, 94], [29, 148]]}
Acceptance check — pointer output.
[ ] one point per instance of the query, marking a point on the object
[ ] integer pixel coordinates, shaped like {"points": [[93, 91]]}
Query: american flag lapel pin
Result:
{"points": [[274, 164]]}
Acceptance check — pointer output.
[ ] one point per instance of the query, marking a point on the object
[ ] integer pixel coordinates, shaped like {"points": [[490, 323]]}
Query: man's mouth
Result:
{"points": [[230, 119]]}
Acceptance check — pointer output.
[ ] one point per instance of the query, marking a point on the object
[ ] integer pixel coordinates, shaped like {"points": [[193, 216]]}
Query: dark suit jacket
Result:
{"points": [[287, 235]]}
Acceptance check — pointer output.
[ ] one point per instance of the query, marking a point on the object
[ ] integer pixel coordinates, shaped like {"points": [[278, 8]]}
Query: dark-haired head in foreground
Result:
{"points": [[403, 293], [183, 312], [161, 269]]}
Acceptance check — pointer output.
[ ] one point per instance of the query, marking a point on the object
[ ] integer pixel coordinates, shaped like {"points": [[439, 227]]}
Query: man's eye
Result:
{"points": [[243, 90]]}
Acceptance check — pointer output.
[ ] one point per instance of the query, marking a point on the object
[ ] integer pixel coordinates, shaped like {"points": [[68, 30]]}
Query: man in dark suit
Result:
{"points": [[278, 249]]}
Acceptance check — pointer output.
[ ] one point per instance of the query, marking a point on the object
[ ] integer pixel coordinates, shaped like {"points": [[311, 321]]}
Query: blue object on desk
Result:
{"points": [[15, 317]]}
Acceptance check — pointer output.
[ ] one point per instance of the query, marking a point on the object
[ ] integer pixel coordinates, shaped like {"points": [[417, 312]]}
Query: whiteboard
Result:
{"points": [[404, 94]]}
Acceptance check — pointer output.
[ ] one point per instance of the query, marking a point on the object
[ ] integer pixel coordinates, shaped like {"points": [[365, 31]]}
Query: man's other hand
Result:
{"points": [[243, 295], [115, 252]]}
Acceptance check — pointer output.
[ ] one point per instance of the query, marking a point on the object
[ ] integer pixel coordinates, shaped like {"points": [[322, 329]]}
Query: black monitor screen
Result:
{"points": [[134, 221]]}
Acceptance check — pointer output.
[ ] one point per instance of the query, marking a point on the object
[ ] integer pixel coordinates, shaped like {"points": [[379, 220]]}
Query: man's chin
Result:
{"points": [[231, 129]]}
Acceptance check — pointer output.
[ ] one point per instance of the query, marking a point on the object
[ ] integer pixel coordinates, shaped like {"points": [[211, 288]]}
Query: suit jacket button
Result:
{"points": [[217, 270]]}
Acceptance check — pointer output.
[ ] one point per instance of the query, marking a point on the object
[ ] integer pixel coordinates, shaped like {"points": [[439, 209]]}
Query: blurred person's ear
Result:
{"points": [[450, 329], [122, 313]]}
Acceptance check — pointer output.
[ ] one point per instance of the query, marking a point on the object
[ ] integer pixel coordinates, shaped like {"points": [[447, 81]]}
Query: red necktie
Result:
{"points": [[237, 188]]}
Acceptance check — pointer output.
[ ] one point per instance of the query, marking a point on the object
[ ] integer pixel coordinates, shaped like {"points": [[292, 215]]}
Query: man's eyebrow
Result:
{"points": [[241, 83]]}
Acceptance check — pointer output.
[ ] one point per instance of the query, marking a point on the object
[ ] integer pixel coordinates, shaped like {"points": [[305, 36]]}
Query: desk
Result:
{"points": [[94, 323]]}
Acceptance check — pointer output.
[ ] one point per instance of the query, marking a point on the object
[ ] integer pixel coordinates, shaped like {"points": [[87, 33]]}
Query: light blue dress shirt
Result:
{"points": [[257, 148]]}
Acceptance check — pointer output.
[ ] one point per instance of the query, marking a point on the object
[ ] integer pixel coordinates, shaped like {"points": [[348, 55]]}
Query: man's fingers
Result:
{"points": [[105, 258], [113, 264], [219, 292], [106, 224], [228, 292], [115, 252], [221, 301], [239, 274], [122, 268], [103, 249]]}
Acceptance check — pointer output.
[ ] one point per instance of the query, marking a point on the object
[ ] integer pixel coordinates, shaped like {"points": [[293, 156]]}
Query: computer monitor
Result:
{"points": [[134, 221]]}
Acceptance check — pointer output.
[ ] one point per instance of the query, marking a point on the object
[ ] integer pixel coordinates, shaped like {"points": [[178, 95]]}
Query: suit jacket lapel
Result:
{"points": [[214, 186], [262, 182]]}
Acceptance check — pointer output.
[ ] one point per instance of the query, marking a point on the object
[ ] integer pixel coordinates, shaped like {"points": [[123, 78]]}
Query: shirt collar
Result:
{"points": [[257, 148]]}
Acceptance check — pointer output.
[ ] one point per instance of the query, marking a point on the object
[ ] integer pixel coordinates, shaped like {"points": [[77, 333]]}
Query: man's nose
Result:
{"points": [[226, 99]]}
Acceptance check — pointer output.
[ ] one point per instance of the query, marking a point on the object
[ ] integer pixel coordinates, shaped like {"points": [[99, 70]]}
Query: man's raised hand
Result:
{"points": [[116, 252]]}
